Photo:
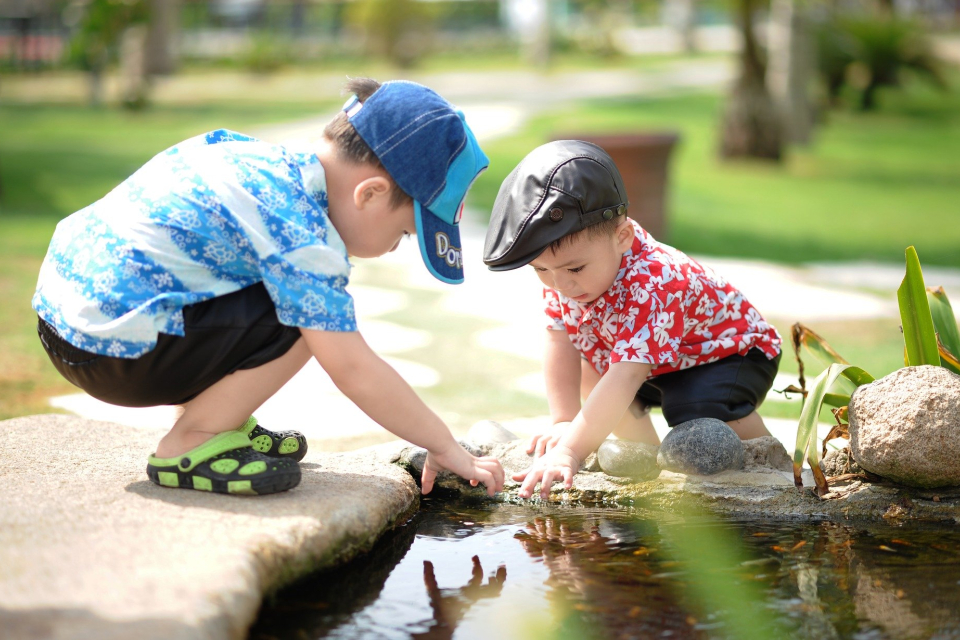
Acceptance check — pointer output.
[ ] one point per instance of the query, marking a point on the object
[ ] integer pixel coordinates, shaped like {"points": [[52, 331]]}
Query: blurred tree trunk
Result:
{"points": [[134, 80], [95, 86], [161, 45], [751, 125], [537, 46], [791, 69], [682, 16]]}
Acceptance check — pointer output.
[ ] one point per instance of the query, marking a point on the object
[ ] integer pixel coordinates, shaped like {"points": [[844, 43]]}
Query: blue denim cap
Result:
{"points": [[425, 145]]}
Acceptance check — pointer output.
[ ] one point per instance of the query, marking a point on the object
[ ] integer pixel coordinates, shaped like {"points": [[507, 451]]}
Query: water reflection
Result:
{"points": [[602, 569], [450, 605], [615, 573]]}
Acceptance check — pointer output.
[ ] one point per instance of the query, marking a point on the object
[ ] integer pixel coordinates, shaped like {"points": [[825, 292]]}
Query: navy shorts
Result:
{"points": [[236, 331], [728, 389]]}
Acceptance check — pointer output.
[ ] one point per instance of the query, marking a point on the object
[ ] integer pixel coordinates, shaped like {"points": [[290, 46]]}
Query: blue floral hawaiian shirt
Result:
{"points": [[205, 218]]}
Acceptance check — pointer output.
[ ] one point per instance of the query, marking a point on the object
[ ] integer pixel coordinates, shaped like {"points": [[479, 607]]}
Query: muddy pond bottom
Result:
{"points": [[502, 571]]}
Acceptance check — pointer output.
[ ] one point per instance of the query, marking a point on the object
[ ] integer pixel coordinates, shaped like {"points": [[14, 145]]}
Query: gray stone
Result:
{"points": [[766, 452], [906, 427], [839, 462], [704, 446], [92, 549], [488, 432], [626, 459], [591, 463]]}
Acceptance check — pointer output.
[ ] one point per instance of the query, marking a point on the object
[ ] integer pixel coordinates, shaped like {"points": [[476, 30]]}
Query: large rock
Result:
{"points": [[626, 459], [766, 452], [906, 427], [704, 446], [490, 432], [89, 548]]}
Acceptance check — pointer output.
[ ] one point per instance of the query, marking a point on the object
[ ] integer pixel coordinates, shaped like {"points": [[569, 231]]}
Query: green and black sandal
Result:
{"points": [[276, 444], [226, 463]]}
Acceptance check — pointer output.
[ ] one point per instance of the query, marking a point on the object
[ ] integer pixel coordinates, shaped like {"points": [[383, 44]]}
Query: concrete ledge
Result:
{"points": [[91, 549]]}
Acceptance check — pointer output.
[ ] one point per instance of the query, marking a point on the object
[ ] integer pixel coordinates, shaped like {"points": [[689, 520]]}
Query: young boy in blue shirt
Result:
{"points": [[210, 276]]}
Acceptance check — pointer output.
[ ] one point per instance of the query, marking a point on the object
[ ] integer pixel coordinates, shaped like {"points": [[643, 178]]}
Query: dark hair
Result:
{"points": [[602, 228], [351, 147]]}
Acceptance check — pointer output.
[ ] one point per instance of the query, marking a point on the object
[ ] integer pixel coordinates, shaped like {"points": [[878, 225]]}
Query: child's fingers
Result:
{"points": [[519, 476], [530, 483], [489, 481], [542, 446], [547, 483], [567, 477], [533, 443], [427, 478], [493, 466]]}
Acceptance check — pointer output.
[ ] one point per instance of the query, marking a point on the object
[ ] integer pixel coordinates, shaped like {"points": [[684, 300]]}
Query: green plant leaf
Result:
{"points": [[804, 336], [807, 429], [919, 335], [837, 399], [945, 324]]}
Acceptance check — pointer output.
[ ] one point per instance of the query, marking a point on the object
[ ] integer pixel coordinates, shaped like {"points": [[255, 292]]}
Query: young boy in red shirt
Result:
{"points": [[633, 322]]}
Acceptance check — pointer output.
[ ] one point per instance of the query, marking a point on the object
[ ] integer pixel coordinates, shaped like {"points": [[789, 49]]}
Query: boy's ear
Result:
{"points": [[624, 235], [370, 190]]}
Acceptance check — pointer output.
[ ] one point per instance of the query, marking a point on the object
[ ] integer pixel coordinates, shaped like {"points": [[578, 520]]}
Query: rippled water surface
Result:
{"points": [[520, 571]]}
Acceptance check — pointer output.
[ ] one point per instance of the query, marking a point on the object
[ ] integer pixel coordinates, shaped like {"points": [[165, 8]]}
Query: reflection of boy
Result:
{"points": [[633, 322], [211, 275]]}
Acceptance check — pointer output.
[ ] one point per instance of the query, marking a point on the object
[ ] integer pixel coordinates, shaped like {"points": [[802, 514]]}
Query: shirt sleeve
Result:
{"points": [[301, 257], [554, 310], [650, 327], [308, 298]]}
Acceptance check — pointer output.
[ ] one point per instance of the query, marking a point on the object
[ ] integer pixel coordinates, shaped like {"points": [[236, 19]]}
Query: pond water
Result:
{"points": [[457, 570]]}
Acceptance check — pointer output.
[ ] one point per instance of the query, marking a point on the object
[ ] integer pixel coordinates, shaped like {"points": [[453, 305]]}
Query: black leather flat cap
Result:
{"points": [[560, 188]]}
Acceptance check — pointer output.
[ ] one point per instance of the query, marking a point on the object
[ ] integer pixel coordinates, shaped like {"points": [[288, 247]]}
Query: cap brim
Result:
{"points": [[439, 245], [516, 264]]}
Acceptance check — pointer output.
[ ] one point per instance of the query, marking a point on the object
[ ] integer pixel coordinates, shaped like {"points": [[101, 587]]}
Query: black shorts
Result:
{"points": [[237, 331], [728, 389]]}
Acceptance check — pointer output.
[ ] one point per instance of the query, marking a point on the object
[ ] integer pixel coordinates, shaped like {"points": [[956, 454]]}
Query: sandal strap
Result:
{"points": [[247, 427], [218, 444]]}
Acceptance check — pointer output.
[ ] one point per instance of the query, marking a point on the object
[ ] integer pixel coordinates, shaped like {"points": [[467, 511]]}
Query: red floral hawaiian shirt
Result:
{"points": [[664, 309]]}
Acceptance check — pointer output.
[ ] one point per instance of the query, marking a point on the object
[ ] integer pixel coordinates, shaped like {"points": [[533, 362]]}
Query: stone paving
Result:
{"points": [[91, 549]]}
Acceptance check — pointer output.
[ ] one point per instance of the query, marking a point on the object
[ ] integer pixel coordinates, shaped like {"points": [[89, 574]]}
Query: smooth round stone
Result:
{"points": [[626, 459], [489, 432], [703, 447]]}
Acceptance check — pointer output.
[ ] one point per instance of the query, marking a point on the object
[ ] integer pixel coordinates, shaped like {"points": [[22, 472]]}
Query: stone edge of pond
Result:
{"points": [[756, 491], [91, 548]]}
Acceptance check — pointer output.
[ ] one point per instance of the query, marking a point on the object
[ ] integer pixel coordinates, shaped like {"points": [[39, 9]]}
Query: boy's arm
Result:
{"points": [[561, 373], [383, 395], [600, 414]]}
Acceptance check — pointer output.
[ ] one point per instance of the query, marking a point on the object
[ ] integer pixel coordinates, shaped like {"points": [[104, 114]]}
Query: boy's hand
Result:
{"points": [[558, 464], [456, 459], [543, 442]]}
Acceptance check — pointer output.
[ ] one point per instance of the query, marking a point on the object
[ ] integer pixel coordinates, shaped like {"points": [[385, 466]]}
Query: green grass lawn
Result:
{"points": [[870, 185], [53, 161]]}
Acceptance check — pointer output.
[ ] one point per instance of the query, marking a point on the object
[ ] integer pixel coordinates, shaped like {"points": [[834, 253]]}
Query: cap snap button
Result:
{"points": [[621, 209], [556, 214], [608, 214]]}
